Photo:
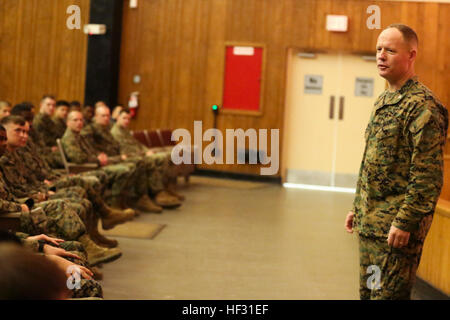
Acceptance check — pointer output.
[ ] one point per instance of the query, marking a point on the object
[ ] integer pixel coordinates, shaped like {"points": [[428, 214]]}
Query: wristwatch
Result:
{"points": [[42, 243]]}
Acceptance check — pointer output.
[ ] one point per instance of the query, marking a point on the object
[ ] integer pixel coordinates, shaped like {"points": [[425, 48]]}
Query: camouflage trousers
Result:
{"points": [[58, 219], [77, 199], [88, 288], [172, 169], [387, 273], [53, 159], [92, 190], [119, 178], [152, 170]]}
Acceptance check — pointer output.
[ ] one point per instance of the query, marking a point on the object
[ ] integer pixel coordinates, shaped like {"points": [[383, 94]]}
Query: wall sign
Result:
{"points": [[313, 84], [364, 87]]}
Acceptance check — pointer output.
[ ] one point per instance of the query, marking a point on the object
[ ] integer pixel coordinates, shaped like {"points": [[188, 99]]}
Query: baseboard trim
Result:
{"points": [[237, 176]]}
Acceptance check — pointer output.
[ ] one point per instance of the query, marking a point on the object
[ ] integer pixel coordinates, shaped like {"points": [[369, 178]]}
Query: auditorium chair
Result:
{"points": [[165, 136], [141, 137], [10, 221], [154, 138]]}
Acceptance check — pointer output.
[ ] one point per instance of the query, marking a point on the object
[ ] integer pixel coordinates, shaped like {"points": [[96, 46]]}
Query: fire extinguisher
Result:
{"points": [[133, 103]]}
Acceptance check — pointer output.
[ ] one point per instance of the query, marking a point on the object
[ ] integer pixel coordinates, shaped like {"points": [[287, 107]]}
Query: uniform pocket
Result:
{"points": [[384, 144]]}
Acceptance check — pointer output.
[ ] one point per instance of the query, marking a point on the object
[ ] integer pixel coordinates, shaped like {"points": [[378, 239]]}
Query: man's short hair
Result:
{"points": [[409, 35], [73, 111], [45, 96], [124, 110], [13, 119], [18, 109], [4, 103], [75, 103], [62, 103]]}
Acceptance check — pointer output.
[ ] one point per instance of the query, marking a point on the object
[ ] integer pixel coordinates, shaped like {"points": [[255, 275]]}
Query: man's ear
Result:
{"points": [[412, 54]]}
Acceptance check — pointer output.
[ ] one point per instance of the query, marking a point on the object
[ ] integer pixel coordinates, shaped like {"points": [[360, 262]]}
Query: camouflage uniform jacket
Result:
{"points": [[60, 127], [401, 173], [7, 201], [20, 185], [46, 127], [128, 144], [101, 139], [38, 167], [77, 149]]}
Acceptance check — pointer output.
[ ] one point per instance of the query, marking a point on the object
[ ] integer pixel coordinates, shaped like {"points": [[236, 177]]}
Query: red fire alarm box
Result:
{"points": [[242, 83]]}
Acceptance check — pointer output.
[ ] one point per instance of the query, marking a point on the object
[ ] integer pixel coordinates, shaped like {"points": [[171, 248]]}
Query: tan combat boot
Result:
{"points": [[171, 190], [98, 275], [165, 200], [97, 254], [101, 240], [118, 217], [146, 204]]}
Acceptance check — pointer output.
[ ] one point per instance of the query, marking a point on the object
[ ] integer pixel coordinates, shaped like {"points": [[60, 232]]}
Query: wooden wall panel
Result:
{"points": [[38, 53], [178, 48], [435, 262]]}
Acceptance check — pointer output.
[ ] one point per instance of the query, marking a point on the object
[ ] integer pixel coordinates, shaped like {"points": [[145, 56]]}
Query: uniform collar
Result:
{"points": [[391, 98]]}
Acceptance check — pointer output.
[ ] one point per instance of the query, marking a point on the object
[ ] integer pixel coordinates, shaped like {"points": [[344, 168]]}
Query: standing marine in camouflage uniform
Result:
{"points": [[99, 135], [401, 173]]}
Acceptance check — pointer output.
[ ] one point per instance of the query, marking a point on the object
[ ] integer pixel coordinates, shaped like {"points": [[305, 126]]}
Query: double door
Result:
{"points": [[329, 101]]}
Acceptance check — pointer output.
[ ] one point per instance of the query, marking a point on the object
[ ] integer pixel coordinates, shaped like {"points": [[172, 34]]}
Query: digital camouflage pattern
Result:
{"points": [[400, 180], [401, 173], [43, 124], [100, 138], [52, 157], [78, 150], [398, 268], [59, 126], [128, 144]]}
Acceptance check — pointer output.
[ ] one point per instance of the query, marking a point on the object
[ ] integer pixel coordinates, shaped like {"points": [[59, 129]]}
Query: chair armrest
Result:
{"points": [[78, 168]]}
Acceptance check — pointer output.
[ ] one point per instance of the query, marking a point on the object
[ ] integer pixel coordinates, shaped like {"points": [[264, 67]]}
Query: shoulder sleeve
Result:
{"points": [[427, 132]]}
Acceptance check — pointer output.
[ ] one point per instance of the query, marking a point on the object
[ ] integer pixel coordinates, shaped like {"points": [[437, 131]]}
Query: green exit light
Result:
{"points": [[215, 107]]}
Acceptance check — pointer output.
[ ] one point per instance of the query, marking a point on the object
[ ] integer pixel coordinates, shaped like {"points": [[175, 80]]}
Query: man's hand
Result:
{"points": [[50, 193], [44, 237], [64, 265], [24, 208], [47, 182], [41, 196], [123, 157], [59, 252], [103, 158], [149, 153], [398, 238], [349, 222], [54, 148]]}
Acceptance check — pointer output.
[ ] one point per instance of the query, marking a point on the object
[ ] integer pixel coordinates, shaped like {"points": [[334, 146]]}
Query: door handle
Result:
{"points": [[341, 108], [331, 111]]}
